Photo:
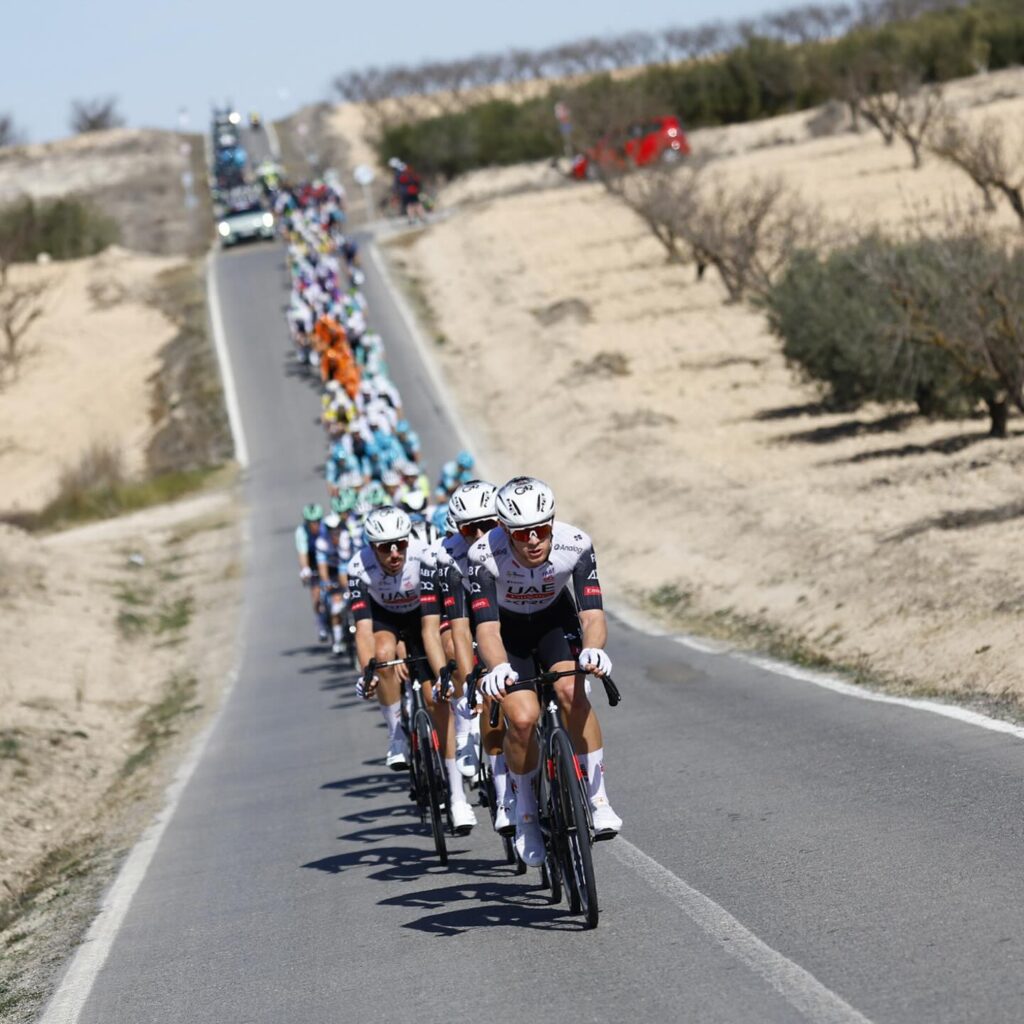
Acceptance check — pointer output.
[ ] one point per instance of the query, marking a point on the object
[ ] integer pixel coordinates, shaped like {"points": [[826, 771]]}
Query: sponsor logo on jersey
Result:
{"points": [[591, 591], [529, 592], [569, 547], [358, 606], [397, 596], [449, 602], [428, 598], [480, 604]]}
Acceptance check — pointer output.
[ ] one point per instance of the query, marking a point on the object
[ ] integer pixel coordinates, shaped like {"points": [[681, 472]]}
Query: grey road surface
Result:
{"points": [[877, 848]]}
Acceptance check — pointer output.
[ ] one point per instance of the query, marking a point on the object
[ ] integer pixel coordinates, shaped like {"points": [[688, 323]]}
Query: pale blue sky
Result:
{"points": [[158, 56]]}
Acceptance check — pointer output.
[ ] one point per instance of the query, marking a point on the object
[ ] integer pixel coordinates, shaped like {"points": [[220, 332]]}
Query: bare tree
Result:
{"points": [[9, 133], [665, 199], [20, 306], [907, 112], [983, 155], [95, 115], [749, 232]]}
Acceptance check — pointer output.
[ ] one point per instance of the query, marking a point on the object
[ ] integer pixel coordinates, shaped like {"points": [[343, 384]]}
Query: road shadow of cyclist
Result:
{"points": [[369, 787], [407, 864], [469, 906]]}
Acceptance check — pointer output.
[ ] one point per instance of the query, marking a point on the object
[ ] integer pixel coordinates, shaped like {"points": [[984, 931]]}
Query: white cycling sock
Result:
{"points": [[337, 633], [461, 724], [592, 764], [454, 781], [526, 795], [500, 772], [392, 718]]}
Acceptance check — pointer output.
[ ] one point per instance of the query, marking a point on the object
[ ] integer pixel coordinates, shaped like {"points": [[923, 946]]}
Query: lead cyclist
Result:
{"points": [[524, 574]]}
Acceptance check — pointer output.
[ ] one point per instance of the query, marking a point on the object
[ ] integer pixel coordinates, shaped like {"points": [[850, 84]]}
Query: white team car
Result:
{"points": [[245, 225]]}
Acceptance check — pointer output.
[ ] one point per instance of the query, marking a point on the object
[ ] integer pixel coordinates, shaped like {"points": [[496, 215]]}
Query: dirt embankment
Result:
{"points": [[718, 493], [136, 176], [118, 638], [120, 358]]}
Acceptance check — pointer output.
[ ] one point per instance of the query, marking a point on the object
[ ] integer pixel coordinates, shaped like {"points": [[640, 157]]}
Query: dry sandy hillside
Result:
{"points": [[133, 175], [671, 428], [125, 654], [85, 378]]}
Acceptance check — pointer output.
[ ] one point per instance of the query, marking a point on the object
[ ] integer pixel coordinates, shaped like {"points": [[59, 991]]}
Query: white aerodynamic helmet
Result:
{"points": [[332, 521], [472, 501], [387, 524], [525, 501]]}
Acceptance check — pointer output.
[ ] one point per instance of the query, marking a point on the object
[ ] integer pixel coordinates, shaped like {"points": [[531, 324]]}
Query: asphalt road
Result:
{"points": [[872, 853]]}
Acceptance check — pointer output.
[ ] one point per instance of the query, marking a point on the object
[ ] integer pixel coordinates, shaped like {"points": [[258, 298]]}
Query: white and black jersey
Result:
{"points": [[370, 585], [499, 585]]}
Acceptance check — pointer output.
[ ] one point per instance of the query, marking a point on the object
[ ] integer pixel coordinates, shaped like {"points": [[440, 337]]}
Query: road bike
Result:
{"points": [[483, 781], [428, 781], [563, 803]]}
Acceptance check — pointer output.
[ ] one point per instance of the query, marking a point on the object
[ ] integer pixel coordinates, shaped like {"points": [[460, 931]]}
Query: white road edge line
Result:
{"points": [[798, 987], [837, 685], [67, 1003], [224, 363]]}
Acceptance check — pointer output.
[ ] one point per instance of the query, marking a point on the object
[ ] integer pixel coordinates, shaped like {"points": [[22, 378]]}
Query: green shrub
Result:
{"points": [[759, 78], [65, 228], [934, 321]]}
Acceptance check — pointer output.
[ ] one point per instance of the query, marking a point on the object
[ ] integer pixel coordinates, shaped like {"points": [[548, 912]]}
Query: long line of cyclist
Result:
{"points": [[480, 582]]}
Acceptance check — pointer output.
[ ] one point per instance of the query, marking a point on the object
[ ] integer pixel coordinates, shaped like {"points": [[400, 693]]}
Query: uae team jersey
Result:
{"points": [[367, 582], [499, 584]]}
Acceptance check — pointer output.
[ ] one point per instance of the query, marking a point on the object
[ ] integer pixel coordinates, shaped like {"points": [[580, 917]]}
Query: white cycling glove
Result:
{"points": [[493, 684], [593, 658], [305, 573]]}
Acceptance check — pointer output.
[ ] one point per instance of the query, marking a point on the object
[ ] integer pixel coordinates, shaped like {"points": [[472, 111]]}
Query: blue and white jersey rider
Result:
{"points": [[334, 552]]}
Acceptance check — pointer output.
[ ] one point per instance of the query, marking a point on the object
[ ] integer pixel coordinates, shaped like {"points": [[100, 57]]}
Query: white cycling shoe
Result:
{"points": [[337, 649], [607, 823], [463, 818], [398, 755], [504, 824], [529, 842]]}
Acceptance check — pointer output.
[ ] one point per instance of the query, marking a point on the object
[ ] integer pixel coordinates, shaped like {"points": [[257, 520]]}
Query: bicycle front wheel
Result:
{"points": [[434, 789], [577, 827]]}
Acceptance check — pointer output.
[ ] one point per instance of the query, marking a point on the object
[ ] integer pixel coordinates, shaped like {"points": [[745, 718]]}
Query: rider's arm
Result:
{"points": [[483, 598], [430, 616], [595, 628], [360, 608], [302, 549], [322, 567], [587, 588]]}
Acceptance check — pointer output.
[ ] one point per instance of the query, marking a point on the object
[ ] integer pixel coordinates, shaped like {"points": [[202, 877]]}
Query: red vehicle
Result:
{"points": [[643, 143]]}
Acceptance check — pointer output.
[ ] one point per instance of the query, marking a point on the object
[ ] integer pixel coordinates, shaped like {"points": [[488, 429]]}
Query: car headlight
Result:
{"points": [[268, 220], [224, 228]]}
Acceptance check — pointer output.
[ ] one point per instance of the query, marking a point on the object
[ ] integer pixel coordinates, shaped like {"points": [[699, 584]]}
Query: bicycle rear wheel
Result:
{"points": [[434, 791], [577, 829]]}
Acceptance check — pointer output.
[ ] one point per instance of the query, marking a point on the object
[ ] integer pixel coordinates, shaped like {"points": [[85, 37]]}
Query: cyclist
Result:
{"points": [[437, 644], [473, 509], [333, 553], [523, 576], [305, 544]]}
